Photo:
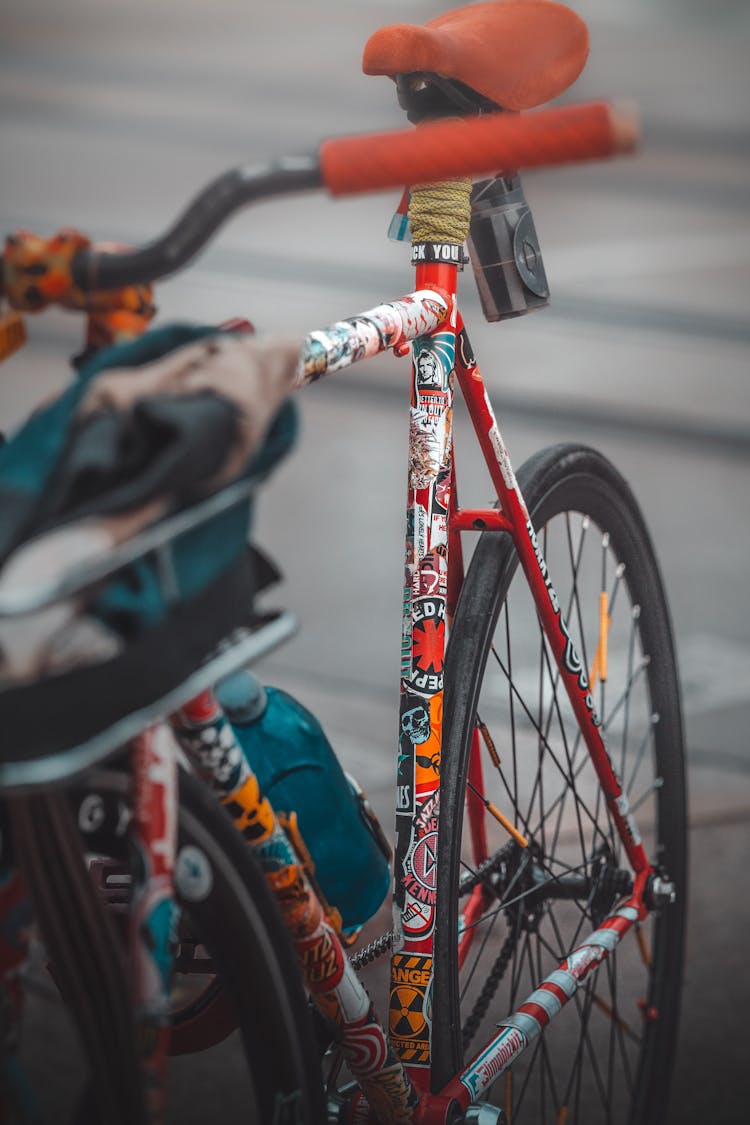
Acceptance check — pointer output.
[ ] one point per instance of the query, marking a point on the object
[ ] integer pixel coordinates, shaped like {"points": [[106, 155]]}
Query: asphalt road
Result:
{"points": [[112, 116]]}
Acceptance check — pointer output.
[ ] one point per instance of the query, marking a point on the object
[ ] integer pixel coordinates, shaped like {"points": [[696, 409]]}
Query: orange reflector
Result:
{"points": [[599, 663], [12, 333], [618, 1020], [487, 740], [604, 622], [509, 828], [645, 952]]}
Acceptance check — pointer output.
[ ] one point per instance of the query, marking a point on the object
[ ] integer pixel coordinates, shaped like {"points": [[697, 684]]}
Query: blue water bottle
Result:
{"points": [[299, 772]]}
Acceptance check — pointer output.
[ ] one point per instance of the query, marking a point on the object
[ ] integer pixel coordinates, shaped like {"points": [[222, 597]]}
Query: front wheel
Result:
{"points": [[510, 914], [235, 965]]}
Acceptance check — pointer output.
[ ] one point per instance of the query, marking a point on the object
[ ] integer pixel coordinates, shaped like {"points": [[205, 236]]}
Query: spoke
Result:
{"points": [[641, 753], [560, 801], [585, 917], [518, 966], [619, 571], [641, 668], [479, 952], [527, 1077], [622, 1026], [583, 1019], [574, 571], [575, 562], [545, 1054], [570, 786], [609, 1012], [658, 782], [506, 904], [514, 969], [538, 1044], [611, 1044], [549, 749], [631, 659], [585, 1040]]}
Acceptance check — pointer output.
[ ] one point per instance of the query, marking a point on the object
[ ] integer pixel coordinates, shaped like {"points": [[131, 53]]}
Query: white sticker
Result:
{"points": [[193, 876], [503, 459]]}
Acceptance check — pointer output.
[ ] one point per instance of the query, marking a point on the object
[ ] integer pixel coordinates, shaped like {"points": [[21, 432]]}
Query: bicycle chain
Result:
{"points": [[495, 865], [482, 875], [489, 988], [374, 950], [490, 867]]}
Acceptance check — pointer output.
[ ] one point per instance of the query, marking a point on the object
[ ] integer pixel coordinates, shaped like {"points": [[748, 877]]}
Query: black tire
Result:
{"points": [[587, 1066], [231, 911]]}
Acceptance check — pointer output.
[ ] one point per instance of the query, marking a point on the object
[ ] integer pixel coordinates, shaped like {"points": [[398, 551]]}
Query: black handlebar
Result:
{"points": [[219, 200]]}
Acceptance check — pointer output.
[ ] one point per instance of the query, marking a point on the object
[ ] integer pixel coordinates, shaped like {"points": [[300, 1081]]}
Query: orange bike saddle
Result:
{"points": [[516, 53]]}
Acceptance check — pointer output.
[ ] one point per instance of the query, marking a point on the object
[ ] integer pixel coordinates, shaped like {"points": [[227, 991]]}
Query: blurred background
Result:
{"points": [[112, 115]]}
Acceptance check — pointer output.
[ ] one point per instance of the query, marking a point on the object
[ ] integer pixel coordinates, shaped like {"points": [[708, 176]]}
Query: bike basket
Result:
{"points": [[152, 615]]}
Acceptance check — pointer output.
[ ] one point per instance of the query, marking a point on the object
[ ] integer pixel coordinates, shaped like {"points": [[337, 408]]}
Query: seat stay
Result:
{"points": [[574, 677]]}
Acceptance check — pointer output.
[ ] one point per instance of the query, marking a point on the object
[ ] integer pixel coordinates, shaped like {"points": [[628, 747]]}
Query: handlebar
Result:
{"points": [[348, 165], [95, 269], [442, 150]]}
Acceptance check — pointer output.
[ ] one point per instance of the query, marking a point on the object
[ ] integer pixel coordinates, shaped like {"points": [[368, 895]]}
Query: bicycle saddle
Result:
{"points": [[515, 53]]}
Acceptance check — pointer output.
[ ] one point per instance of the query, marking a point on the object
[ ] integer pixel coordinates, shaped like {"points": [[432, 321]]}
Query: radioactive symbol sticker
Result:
{"points": [[407, 1019], [408, 1015]]}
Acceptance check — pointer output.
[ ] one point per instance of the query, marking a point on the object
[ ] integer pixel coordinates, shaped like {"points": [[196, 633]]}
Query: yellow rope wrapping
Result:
{"points": [[440, 212]]}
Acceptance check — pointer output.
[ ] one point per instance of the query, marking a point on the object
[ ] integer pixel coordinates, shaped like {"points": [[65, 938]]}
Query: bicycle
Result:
{"points": [[555, 866]]}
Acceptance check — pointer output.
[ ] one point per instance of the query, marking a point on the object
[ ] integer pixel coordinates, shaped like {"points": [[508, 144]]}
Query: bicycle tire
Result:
{"points": [[77, 932], [568, 489], [232, 912]]}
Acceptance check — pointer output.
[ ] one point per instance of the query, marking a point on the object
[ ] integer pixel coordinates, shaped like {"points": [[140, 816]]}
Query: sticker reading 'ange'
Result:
{"points": [[409, 1021]]}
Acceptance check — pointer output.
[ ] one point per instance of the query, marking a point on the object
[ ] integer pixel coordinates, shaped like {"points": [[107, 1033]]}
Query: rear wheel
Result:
{"points": [[510, 736]]}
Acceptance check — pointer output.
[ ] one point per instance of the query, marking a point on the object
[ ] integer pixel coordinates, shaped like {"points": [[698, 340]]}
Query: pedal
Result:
{"points": [[113, 882]]}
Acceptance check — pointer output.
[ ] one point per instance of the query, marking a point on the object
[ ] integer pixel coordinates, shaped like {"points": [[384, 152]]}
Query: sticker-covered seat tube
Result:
{"points": [[422, 655]]}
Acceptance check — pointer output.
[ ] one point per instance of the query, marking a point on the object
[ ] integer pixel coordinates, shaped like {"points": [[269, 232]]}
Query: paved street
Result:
{"points": [[112, 116]]}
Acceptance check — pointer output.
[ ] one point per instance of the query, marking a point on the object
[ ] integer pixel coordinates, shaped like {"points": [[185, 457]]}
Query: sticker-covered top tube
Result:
{"points": [[359, 337]]}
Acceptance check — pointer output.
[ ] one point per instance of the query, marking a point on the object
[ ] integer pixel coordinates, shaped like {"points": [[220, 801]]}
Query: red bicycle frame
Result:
{"points": [[512, 516], [433, 580]]}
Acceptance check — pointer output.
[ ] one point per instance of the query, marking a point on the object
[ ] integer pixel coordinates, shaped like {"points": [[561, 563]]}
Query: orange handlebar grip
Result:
{"points": [[482, 145]]}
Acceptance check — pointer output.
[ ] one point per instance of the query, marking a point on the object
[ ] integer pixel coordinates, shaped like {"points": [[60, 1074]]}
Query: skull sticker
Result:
{"points": [[415, 724]]}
